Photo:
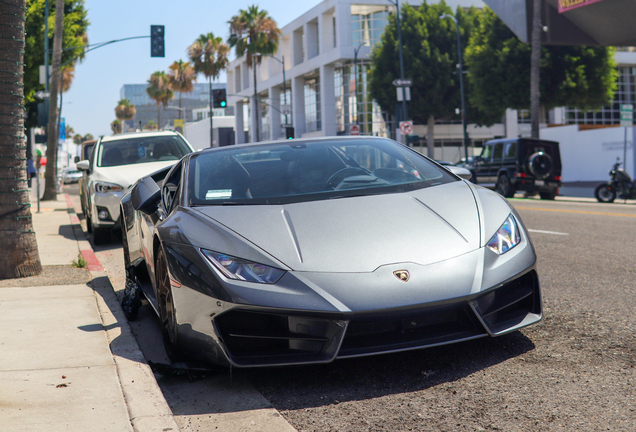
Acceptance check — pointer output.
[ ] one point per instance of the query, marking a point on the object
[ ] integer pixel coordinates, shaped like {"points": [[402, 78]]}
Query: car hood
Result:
{"points": [[361, 234], [125, 175]]}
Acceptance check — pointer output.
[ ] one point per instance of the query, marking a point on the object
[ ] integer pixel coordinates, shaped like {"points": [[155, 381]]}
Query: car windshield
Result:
{"points": [[141, 150], [304, 171]]}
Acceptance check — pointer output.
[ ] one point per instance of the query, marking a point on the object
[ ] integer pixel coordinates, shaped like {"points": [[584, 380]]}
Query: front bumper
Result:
{"points": [[108, 202], [300, 320]]}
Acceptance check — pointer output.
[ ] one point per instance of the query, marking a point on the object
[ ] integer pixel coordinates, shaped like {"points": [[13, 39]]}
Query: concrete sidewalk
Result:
{"points": [[69, 361]]}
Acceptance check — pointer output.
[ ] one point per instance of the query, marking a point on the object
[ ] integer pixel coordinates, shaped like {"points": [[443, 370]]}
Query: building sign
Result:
{"points": [[568, 5]]}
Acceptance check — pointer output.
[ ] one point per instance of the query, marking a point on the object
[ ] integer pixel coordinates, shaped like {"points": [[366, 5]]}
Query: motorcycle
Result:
{"points": [[620, 185]]}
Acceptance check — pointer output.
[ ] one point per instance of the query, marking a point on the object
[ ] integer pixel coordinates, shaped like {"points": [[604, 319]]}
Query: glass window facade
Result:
{"points": [[611, 114], [312, 105], [367, 23], [353, 101]]}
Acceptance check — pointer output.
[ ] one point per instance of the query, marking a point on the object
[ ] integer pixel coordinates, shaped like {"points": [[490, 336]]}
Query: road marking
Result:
{"points": [[547, 232], [576, 211]]}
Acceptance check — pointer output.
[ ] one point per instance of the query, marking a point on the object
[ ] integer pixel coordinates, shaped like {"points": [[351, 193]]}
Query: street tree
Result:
{"points": [[88, 137], [125, 111], [50, 182], [430, 45], [499, 64], [252, 32], [150, 126], [19, 252], [181, 78], [115, 126], [159, 91], [208, 54], [74, 42]]}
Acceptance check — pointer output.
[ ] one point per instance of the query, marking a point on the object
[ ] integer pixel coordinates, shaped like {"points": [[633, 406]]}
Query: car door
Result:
{"points": [[482, 165]]}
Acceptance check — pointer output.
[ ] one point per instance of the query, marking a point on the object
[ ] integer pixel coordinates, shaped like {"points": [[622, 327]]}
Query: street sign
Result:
{"points": [[407, 92], [403, 82], [355, 130], [406, 127], [627, 115], [285, 109], [42, 94]]}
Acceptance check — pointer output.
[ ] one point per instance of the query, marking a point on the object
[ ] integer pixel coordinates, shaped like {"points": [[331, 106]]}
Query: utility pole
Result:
{"points": [[535, 58], [405, 113]]}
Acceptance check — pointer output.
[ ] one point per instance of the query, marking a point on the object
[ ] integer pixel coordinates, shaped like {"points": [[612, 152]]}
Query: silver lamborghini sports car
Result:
{"points": [[307, 251]]}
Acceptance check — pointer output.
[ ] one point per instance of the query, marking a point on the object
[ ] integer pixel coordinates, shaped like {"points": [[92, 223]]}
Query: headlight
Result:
{"points": [[506, 237], [101, 187], [240, 269]]}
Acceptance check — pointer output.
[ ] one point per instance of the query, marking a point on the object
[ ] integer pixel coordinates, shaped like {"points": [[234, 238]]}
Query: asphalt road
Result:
{"points": [[573, 371]]}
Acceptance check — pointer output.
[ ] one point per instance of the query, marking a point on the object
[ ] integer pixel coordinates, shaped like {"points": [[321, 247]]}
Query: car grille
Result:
{"points": [[423, 328], [509, 305], [253, 338]]}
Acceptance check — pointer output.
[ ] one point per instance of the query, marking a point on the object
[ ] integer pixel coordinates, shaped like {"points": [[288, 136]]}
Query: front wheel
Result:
{"points": [[504, 186], [167, 314], [604, 193]]}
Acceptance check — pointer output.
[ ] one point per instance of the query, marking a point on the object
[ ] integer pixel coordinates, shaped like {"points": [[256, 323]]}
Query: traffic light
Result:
{"points": [[157, 40], [289, 132], [219, 98]]}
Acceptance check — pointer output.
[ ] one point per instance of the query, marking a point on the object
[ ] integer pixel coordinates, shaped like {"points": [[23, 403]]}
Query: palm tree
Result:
{"points": [[208, 54], [19, 252], [159, 91], [181, 78], [125, 111], [252, 32], [115, 126]]}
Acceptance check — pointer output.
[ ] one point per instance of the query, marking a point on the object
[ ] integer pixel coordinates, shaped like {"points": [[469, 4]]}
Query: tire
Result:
{"points": [[540, 165], [100, 235], [604, 193], [504, 186], [549, 195], [131, 301], [167, 314]]}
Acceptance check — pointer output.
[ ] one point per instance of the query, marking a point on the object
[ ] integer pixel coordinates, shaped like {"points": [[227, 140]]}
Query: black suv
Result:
{"points": [[519, 164]]}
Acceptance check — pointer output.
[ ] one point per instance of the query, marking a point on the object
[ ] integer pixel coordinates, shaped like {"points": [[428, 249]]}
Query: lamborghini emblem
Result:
{"points": [[402, 275]]}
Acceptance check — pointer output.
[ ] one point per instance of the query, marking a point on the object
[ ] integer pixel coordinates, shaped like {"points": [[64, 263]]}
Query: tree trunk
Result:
{"points": [[256, 137], [50, 186], [535, 59], [430, 137], [158, 117], [19, 251]]}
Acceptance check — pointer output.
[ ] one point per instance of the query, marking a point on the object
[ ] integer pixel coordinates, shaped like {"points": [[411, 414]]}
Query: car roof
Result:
{"points": [[299, 141], [127, 135]]}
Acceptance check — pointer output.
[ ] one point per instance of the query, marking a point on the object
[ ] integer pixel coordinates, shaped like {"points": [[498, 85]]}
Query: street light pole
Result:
{"points": [[461, 84], [397, 16], [282, 62], [355, 66]]}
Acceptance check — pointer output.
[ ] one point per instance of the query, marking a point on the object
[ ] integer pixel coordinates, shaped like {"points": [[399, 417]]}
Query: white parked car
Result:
{"points": [[70, 175], [117, 162]]}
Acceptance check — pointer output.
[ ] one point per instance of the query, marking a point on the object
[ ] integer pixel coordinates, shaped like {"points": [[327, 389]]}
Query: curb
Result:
{"points": [[147, 407]]}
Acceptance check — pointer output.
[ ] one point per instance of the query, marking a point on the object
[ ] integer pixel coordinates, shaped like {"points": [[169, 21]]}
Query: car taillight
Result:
{"points": [[557, 178], [521, 175]]}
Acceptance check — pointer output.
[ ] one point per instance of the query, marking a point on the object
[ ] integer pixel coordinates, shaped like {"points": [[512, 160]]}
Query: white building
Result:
{"points": [[321, 50]]}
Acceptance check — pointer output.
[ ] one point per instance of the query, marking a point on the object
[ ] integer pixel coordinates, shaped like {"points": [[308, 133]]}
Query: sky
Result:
{"points": [[89, 106]]}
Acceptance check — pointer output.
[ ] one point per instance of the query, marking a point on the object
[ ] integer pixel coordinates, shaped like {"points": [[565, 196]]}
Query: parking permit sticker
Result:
{"points": [[141, 151], [218, 194]]}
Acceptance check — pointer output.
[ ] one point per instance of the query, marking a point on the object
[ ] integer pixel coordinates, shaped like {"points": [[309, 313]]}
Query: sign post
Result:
{"points": [[627, 120], [355, 130]]}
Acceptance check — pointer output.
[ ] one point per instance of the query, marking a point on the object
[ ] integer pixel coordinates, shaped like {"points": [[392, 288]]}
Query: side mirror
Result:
{"points": [[76, 159], [145, 196], [83, 165], [460, 171]]}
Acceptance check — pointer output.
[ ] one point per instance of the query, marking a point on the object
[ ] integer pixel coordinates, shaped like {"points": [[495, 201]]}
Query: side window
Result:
{"points": [[511, 151], [497, 153], [170, 188], [486, 153]]}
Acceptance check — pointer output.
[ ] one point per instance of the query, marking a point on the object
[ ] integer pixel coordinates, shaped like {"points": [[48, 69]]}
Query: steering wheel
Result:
{"points": [[342, 174]]}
